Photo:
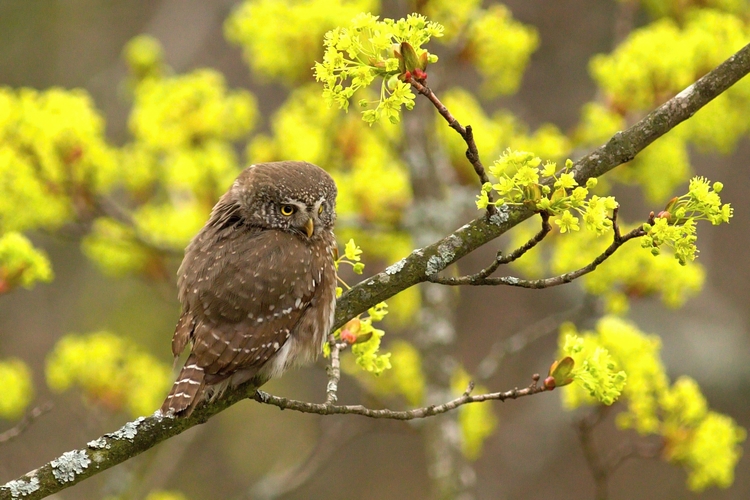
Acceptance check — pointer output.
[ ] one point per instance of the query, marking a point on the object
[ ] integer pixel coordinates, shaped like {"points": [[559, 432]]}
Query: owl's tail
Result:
{"points": [[187, 391]]}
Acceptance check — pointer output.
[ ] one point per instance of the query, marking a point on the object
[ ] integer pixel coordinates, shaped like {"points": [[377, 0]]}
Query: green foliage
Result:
{"points": [[595, 372], [404, 378], [518, 183], [655, 63], [365, 340], [113, 246], [476, 421], [712, 453], [265, 29], [520, 176], [496, 44], [675, 226], [53, 157], [21, 264], [455, 17], [706, 443], [500, 48], [145, 58], [110, 370], [358, 54], [659, 60], [185, 110], [679, 8], [17, 388], [359, 332]]}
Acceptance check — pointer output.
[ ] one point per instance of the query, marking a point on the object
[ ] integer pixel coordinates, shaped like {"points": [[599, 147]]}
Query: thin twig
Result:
{"points": [[475, 280], [603, 468], [466, 133], [334, 370], [424, 412], [25, 422], [500, 259], [146, 432]]}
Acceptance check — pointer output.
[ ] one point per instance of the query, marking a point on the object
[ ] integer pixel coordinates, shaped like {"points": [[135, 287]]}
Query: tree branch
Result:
{"points": [[621, 148], [143, 433], [146, 432]]}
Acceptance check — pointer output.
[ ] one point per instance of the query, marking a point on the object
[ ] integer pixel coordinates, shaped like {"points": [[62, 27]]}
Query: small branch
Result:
{"points": [[334, 370], [602, 469], [499, 259], [466, 133], [25, 422], [424, 412], [476, 280]]}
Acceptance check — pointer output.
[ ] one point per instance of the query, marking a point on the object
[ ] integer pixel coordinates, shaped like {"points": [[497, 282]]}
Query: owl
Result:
{"points": [[258, 283]]}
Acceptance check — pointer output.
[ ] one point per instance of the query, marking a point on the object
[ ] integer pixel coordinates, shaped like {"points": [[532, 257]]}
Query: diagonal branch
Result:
{"points": [[621, 148], [146, 432]]}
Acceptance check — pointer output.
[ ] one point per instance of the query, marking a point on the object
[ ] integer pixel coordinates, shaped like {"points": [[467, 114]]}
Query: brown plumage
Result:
{"points": [[257, 284]]}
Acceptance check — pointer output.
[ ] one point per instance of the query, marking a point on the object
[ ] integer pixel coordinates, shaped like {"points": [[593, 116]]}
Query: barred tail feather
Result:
{"points": [[187, 391]]}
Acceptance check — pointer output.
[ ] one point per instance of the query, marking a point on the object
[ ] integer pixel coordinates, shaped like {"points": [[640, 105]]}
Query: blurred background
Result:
{"points": [[255, 451]]}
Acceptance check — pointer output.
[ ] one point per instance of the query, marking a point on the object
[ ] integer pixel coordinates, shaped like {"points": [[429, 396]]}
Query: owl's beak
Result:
{"points": [[309, 226]]}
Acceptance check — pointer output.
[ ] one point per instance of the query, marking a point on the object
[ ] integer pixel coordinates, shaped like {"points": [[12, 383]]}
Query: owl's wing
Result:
{"points": [[243, 295]]}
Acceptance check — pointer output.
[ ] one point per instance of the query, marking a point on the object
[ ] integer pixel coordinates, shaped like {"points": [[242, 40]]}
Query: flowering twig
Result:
{"points": [[478, 280], [500, 259], [466, 133]]}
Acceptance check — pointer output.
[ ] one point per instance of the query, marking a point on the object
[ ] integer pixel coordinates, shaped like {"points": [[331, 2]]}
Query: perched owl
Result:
{"points": [[258, 283]]}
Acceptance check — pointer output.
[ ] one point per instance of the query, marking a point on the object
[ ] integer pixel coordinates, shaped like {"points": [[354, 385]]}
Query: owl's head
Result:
{"points": [[293, 196]]}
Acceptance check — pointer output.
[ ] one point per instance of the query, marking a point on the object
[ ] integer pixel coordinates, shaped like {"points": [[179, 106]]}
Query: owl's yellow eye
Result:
{"points": [[320, 209], [287, 210]]}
